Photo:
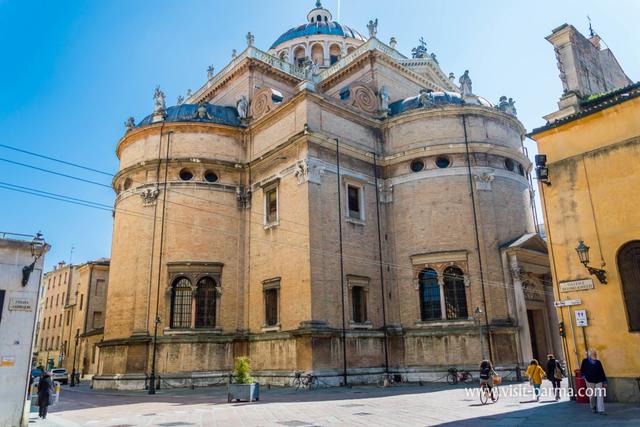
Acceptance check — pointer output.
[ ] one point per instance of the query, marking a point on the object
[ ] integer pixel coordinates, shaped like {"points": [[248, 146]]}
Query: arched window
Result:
{"points": [[317, 54], [629, 267], [181, 297], [429, 295], [206, 303], [299, 56], [455, 298], [334, 54]]}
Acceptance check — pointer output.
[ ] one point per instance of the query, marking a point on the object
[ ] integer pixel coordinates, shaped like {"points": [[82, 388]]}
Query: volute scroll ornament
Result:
{"points": [[262, 102], [364, 98]]}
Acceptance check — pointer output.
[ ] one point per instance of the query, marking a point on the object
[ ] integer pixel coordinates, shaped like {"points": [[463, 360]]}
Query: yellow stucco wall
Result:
{"points": [[595, 161]]}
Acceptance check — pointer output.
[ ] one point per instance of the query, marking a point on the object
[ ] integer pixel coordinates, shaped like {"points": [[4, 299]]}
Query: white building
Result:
{"points": [[21, 261]]}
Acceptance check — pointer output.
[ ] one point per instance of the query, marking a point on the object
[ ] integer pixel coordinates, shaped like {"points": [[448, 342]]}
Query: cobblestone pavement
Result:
{"points": [[405, 405]]}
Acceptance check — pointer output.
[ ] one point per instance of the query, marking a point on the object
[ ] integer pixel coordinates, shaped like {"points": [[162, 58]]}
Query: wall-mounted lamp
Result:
{"points": [[542, 171], [583, 254], [38, 247]]}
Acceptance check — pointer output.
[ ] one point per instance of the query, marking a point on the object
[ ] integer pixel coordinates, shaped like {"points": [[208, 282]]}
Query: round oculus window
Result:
{"points": [[509, 164], [186, 175], [443, 162], [417, 165], [210, 176]]}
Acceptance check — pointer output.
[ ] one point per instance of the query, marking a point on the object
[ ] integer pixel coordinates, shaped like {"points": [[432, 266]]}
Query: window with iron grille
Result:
{"points": [[455, 296], [206, 303], [271, 302], [181, 297], [359, 304], [429, 295]]}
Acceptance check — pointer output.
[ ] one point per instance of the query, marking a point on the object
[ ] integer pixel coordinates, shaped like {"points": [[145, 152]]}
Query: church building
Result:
{"points": [[328, 205]]}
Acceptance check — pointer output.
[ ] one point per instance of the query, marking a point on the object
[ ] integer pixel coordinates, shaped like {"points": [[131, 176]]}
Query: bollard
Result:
{"points": [[518, 373]]}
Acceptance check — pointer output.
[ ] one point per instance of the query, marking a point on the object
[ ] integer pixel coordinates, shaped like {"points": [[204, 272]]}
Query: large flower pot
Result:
{"points": [[243, 392]]}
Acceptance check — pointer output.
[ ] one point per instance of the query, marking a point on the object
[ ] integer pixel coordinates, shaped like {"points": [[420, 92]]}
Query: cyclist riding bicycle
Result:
{"points": [[486, 374]]}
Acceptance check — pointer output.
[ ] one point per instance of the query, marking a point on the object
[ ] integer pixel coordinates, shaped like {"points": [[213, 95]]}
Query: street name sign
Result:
{"points": [[576, 285], [567, 302]]}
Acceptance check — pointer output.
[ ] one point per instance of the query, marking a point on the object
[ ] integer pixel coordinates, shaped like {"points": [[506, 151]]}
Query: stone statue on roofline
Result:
{"points": [[180, 100], [384, 99], [508, 106], [393, 43], [250, 39], [242, 106], [159, 101], [210, 71], [234, 54], [201, 112], [465, 84], [419, 51], [424, 99], [372, 26], [130, 123], [189, 93]]}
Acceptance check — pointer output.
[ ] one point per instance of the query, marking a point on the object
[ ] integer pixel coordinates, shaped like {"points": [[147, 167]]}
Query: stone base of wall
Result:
{"points": [[626, 390]]}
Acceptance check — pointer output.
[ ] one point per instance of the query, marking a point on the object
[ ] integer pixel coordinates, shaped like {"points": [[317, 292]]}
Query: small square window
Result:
{"points": [[355, 202], [271, 206]]}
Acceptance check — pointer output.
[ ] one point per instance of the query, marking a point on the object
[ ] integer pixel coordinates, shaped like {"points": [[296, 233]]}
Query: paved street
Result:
{"points": [[410, 405]]}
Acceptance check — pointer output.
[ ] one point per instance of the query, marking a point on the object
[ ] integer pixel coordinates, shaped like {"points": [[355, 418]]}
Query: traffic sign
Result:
{"points": [[567, 302], [581, 318]]}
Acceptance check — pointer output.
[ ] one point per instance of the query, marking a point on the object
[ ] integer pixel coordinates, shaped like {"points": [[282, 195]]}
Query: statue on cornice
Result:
{"points": [[508, 106], [234, 54], [201, 112], [189, 93], [250, 39], [310, 69], [130, 124], [210, 71], [159, 101], [419, 51], [433, 56], [180, 100], [372, 26], [424, 99], [465, 84], [384, 98], [242, 106]]}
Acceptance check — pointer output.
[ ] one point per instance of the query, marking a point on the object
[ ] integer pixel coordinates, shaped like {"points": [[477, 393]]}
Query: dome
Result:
{"points": [[189, 113], [435, 99], [314, 28]]}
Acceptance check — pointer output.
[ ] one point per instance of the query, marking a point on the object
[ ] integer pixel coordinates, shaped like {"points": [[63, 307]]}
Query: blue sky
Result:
{"points": [[73, 71]]}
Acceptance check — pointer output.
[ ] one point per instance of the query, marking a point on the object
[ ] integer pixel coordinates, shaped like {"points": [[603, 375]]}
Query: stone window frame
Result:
{"points": [[193, 271], [365, 283], [267, 187], [359, 184], [439, 262], [269, 285]]}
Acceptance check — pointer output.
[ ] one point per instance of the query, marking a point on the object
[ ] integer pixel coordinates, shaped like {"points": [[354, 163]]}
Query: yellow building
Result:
{"points": [[588, 183]]}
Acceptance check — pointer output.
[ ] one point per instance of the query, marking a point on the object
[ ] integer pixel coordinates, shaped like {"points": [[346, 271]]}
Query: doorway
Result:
{"points": [[539, 345]]}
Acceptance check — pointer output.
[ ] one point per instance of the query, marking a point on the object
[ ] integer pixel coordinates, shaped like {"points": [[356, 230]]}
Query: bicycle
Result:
{"points": [[388, 380], [308, 381], [487, 393], [455, 376]]}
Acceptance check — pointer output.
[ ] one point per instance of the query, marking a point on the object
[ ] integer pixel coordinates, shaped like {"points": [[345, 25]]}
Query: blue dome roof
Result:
{"points": [[309, 29], [436, 98], [188, 113]]}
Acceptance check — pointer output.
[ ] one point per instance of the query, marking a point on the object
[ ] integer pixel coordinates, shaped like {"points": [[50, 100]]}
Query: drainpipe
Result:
{"points": [[477, 235], [344, 331], [384, 314]]}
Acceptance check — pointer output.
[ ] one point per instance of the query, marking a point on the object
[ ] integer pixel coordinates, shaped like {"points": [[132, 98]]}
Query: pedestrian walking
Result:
{"points": [[554, 374], [45, 386], [535, 374], [593, 373]]}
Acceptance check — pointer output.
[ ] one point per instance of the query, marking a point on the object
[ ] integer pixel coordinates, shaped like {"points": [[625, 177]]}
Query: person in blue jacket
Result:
{"points": [[593, 373]]}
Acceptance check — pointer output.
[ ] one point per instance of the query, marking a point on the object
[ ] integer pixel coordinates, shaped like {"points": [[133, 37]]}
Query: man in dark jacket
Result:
{"points": [[44, 393], [593, 373], [554, 374]]}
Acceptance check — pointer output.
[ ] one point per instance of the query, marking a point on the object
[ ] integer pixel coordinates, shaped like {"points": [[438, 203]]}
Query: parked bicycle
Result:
{"points": [[455, 376], [308, 381], [388, 380]]}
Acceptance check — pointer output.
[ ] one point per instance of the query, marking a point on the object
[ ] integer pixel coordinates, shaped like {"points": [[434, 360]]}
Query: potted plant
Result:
{"points": [[242, 386]]}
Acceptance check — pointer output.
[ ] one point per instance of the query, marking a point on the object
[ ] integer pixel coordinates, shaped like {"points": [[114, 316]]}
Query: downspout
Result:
{"points": [[384, 313], [86, 314], [344, 331], [477, 235]]}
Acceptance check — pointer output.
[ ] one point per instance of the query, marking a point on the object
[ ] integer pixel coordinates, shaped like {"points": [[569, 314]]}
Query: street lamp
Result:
{"points": [[38, 247], [478, 315], [583, 254], [73, 369]]}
